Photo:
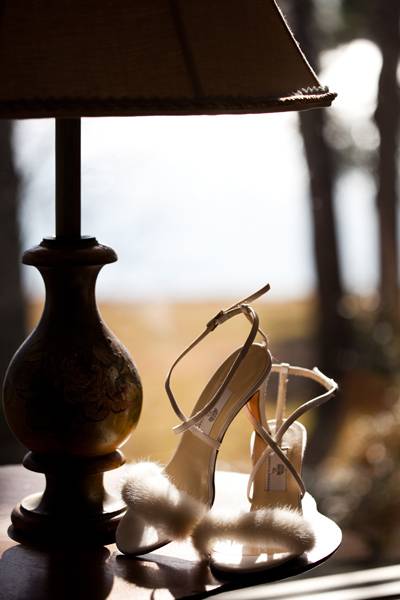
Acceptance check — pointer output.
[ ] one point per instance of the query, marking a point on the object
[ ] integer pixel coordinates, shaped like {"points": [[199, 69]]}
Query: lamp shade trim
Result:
{"points": [[94, 107]]}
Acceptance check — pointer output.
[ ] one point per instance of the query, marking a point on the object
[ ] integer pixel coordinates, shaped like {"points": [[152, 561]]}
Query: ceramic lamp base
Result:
{"points": [[72, 396]]}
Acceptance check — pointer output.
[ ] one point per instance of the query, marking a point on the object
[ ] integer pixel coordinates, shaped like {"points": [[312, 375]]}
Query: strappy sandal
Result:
{"points": [[166, 503], [279, 524]]}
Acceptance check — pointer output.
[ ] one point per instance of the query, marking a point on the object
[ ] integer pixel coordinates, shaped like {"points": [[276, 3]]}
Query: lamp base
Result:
{"points": [[73, 506], [72, 396]]}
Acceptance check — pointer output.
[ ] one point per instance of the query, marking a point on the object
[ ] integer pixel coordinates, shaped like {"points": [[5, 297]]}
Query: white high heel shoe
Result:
{"points": [[274, 529], [166, 503]]}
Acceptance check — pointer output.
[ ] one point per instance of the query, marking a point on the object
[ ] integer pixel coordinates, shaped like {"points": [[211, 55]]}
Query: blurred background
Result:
{"points": [[205, 210]]}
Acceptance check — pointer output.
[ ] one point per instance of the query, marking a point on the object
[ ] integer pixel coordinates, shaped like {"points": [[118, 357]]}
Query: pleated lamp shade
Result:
{"points": [[73, 58]]}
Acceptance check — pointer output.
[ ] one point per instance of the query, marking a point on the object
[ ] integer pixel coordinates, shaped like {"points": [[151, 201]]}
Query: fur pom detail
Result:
{"points": [[277, 527], [150, 495]]}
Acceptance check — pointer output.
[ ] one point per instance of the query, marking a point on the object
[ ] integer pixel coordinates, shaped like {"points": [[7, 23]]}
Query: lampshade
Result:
{"points": [[72, 58]]}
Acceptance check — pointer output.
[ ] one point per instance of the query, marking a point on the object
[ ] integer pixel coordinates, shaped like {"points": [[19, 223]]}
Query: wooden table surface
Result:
{"points": [[96, 573]]}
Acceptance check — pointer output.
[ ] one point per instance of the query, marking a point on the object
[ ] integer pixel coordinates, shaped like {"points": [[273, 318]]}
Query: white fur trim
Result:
{"points": [[280, 526], [151, 496]]}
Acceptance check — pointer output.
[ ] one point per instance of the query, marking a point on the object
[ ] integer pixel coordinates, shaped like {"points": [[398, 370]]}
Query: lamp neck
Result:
{"points": [[68, 179]]}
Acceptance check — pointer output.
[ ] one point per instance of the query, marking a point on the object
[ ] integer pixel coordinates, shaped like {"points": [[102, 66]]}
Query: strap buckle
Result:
{"points": [[215, 321]]}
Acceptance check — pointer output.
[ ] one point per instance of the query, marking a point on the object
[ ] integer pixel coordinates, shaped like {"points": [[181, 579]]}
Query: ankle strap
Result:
{"points": [[238, 308], [315, 374], [273, 442]]}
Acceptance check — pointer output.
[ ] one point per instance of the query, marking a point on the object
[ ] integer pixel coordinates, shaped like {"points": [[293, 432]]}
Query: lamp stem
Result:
{"points": [[68, 178]]}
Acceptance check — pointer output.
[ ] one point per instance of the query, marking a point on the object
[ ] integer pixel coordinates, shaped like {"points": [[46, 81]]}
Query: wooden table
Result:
{"points": [[96, 573]]}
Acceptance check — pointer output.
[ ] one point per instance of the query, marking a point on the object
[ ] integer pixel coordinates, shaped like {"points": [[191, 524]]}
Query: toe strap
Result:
{"points": [[151, 495], [268, 527]]}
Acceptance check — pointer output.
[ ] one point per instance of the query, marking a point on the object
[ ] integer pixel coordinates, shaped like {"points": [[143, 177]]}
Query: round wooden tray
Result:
{"points": [[99, 572]]}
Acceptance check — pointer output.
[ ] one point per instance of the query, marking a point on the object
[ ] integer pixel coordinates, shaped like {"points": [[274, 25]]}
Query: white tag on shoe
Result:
{"points": [[276, 480], [208, 420]]}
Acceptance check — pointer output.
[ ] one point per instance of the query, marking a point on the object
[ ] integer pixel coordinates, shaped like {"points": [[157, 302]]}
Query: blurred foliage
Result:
{"points": [[362, 493], [358, 485], [340, 21]]}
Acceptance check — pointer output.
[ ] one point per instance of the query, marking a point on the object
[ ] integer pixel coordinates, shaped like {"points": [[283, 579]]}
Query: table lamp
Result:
{"points": [[72, 394]]}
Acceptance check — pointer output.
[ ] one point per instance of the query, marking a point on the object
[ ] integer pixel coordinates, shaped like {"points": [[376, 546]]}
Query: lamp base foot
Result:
{"points": [[74, 506], [31, 526]]}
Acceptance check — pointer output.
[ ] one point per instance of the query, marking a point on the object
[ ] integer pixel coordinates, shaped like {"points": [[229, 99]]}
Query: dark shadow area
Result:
{"points": [[37, 574], [182, 578], [187, 579]]}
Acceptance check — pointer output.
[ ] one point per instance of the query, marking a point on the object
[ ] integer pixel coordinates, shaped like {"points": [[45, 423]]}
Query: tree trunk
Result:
{"points": [[12, 311], [387, 119], [333, 329]]}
